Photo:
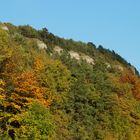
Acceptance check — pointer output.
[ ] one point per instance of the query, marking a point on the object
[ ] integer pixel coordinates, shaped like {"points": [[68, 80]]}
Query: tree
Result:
{"points": [[28, 31], [37, 123], [5, 47]]}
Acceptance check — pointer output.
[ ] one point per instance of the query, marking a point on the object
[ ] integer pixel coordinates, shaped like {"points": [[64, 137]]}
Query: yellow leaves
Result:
{"points": [[1, 90], [2, 97], [26, 84], [5, 50], [15, 105], [38, 65], [27, 87], [18, 101], [2, 84]]}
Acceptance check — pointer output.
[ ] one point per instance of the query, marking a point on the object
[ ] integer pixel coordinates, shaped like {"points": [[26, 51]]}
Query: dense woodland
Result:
{"points": [[46, 95]]}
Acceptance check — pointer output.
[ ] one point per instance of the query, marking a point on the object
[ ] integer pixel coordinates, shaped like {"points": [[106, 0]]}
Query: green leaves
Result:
{"points": [[5, 49], [49, 96], [36, 124]]}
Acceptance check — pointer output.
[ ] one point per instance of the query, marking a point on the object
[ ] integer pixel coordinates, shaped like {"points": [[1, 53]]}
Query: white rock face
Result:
{"points": [[4, 27], [41, 44], [108, 66], [88, 59], [74, 55], [119, 67], [77, 56], [58, 49]]}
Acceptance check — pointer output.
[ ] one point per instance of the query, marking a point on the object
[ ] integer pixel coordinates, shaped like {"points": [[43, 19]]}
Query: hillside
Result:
{"points": [[53, 88]]}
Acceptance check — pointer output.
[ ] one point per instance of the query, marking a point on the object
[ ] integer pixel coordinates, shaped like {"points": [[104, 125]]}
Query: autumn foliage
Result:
{"points": [[45, 95], [134, 82]]}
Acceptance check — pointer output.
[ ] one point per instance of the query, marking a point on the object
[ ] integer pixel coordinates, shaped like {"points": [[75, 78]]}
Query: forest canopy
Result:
{"points": [[56, 93]]}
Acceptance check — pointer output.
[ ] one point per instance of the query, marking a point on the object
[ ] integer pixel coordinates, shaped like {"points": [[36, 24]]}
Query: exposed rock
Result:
{"points": [[119, 67], [74, 55], [4, 27], [58, 49], [108, 66], [88, 59], [41, 44], [77, 56], [51, 54]]}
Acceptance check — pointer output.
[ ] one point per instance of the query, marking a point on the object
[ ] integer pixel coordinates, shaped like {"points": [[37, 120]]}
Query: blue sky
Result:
{"points": [[115, 24]]}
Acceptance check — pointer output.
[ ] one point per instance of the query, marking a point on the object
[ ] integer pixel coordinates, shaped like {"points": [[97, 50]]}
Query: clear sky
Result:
{"points": [[115, 24]]}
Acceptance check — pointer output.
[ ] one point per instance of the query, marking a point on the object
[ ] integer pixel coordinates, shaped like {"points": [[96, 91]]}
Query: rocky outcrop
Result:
{"points": [[77, 56], [74, 55], [108, 66], [58, 49], [119, 67], [88, 59], [4, 27], [41, 44]]}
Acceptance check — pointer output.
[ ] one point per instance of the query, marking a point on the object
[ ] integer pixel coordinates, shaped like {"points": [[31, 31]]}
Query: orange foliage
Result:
{"points": [[38, 65], [28, 88], [134, 81], [26, 85]]}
